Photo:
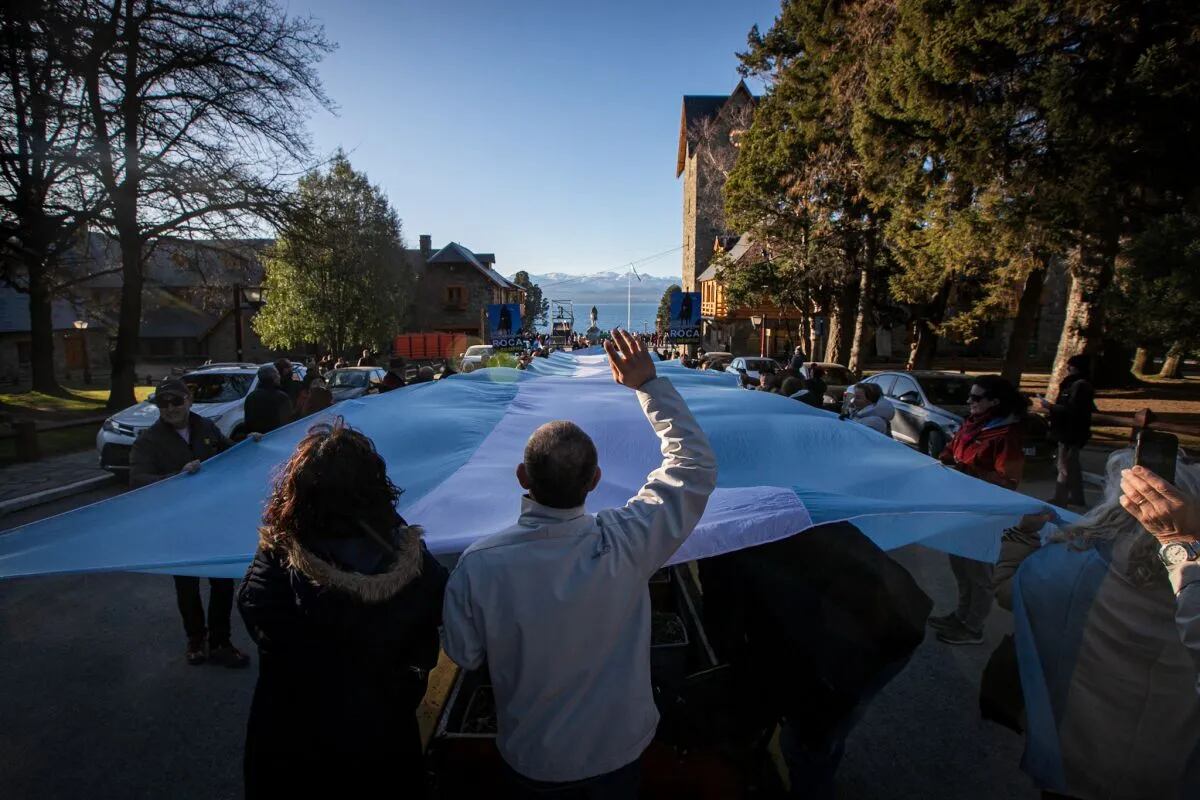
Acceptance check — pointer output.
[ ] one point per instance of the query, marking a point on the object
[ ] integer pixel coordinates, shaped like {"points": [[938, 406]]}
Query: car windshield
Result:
{"points": [[760, 365], [478, 350], [947, 391], [208, 387], [349, 379]]}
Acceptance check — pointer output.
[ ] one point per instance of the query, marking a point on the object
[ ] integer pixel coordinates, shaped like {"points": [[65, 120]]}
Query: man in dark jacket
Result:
{"points": [[287, 380], [1071, 427], [268, 406], [178, 442]]}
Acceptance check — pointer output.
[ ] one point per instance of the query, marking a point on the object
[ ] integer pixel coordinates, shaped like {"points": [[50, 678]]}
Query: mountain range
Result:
{"points": [[601, 287]]}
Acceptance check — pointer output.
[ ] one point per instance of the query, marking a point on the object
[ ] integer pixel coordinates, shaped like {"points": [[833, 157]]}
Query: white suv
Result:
{"points": [[218, 393]]}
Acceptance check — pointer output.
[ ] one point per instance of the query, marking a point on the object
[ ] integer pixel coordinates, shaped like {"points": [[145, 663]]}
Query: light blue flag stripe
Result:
{"points": [[453, 446]]}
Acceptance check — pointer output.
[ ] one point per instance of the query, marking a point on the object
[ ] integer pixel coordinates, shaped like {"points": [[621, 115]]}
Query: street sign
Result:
{"points": [[684, 323], [504, 326]]}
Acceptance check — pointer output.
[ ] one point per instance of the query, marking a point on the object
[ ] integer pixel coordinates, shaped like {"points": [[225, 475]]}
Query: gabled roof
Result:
{"points": [[165, 315], [697, 107], [14, 312], [455, 253], [735, 254]]}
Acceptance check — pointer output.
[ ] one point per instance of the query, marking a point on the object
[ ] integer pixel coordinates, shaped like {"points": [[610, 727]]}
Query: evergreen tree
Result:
{"points": [[536, 310], [337, 274], [663, 318]]}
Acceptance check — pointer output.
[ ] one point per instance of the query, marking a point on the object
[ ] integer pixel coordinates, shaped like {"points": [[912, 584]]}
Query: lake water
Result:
{"points": [[612, 315]]}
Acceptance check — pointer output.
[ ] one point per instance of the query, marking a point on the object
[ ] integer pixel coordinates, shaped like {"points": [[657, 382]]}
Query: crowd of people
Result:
{"points": [[348, 608]]}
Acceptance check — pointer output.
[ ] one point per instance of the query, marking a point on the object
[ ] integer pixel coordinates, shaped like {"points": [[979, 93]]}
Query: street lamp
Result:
{"points": [[757, 321], [251, 296], [81, 326]]}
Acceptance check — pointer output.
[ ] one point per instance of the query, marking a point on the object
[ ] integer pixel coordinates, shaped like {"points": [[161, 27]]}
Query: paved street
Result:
{"points": [[18, 480], [97, 700]]}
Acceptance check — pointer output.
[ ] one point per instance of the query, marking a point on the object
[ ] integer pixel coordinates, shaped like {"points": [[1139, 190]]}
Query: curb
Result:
{"points": [[57, 493]]}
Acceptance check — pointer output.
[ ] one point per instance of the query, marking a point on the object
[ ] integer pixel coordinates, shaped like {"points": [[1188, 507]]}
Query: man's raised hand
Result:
{"points": [[630, 361]]}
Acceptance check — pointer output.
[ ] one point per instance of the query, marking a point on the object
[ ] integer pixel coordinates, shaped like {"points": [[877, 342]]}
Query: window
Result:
{"points": [[885, 382], [456, 297], [217, 387], [903, 386]]}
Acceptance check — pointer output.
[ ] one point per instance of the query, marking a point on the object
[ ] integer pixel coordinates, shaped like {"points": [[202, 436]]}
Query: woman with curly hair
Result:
{"points": [[344, 602]]}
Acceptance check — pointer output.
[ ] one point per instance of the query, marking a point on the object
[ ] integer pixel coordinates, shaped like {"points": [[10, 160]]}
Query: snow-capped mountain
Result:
{"points": [[601, 287]]}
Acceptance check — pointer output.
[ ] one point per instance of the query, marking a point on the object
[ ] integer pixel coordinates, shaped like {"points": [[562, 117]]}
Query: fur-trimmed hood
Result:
{"points": [[370, 588]]}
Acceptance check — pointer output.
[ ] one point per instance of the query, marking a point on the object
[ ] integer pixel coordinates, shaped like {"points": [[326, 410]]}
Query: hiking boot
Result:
{"points": [[196, 653], [960, 634], [228, 656], [945, 622]]}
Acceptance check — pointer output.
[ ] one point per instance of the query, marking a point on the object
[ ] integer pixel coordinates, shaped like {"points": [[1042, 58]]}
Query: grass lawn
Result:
{"points": [[48, 408], [45, 409]]}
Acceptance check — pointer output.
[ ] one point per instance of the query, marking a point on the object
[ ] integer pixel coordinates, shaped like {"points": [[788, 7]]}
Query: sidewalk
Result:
{"points": [[23, 485]]}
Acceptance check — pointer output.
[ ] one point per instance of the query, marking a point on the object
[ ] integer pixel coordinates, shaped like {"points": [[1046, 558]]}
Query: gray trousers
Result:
{"points": [[975, 595], [1069, 487]]}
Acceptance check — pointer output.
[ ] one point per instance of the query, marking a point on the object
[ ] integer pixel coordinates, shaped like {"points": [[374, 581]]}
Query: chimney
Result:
{"points": [[426, 246]]}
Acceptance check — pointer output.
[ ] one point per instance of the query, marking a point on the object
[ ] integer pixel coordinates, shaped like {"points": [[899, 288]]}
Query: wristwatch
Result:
{"points": [[1179, 552]]}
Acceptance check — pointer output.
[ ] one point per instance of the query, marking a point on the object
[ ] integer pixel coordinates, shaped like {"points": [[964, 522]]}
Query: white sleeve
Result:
{"points": [[654, 523], [1185, 579], [462, 639]]}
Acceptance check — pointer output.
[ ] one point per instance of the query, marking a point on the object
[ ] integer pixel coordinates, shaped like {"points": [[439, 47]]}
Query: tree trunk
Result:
{"points": [[1171, 364], [861, 319], [1141, 358], [841, 324], [129, 322], [925, 335], [41, 331], [1017, 352], [1083, 326]]}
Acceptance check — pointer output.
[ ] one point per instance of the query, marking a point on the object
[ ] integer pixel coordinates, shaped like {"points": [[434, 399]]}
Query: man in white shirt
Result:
{"points": [[558, 606]]}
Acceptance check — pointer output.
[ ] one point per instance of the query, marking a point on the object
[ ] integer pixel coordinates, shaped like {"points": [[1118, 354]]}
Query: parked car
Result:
{"points": [[716, 360], [475, 357], [350, 382], [930, 407], [218, 393], [754, 366]]}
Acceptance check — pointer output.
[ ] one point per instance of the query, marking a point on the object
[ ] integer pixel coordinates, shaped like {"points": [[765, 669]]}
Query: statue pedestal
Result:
{"points": [[593, 335]]}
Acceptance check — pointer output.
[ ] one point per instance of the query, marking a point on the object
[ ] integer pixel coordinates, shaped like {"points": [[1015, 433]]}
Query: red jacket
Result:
{"points": [[988, 449]]}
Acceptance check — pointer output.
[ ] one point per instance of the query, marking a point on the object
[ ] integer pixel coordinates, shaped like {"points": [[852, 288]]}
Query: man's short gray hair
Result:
{"points": [[268, 374], [560, 462]]}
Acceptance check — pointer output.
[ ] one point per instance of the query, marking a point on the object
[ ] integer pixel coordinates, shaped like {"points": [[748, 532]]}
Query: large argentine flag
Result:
{"points": [[453, 447]]}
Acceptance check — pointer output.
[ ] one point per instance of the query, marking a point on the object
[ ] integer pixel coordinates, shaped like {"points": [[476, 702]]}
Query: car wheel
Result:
{"points": [[934, 442]]}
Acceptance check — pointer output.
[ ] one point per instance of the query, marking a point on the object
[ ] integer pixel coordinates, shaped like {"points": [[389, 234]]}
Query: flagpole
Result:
{"points": [[629, 276]]}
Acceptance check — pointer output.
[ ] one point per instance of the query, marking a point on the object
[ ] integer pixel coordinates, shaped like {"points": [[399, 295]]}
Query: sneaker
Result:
{"points": [[960, 634], [228, 656], [196, 653], [945, 622]]}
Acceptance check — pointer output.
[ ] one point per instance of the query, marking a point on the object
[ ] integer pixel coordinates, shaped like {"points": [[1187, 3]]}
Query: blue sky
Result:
{"points": [[544, 132]]}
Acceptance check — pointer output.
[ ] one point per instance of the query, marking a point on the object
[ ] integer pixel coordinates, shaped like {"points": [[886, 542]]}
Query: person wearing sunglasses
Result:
{"points": [[988, 446], [178, 443]]}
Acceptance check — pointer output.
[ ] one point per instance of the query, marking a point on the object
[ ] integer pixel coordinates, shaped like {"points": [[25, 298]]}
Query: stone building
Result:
{"points": [[454, 288], [708, 126]]}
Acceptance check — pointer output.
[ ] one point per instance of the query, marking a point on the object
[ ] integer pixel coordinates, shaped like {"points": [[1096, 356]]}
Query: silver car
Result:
{"points": [[753, 366], [218, 393], [930, 406]]}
